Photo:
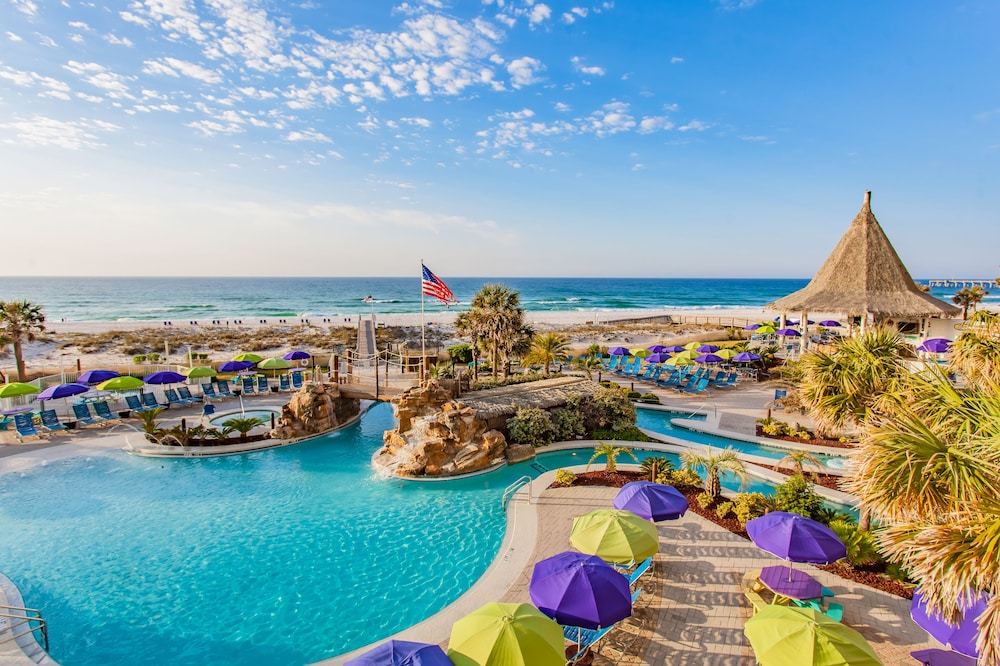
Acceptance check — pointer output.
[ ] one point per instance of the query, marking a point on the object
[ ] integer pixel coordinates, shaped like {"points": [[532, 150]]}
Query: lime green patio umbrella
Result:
{"points": [[15, 389], [673, 360], [766, 329], [247, 356], [691, 346], [683, 356], [790, 636], [123, 383], [198, 372], [642, 353], [614, 536], [506, 635], [274, 364], [727, 353]]}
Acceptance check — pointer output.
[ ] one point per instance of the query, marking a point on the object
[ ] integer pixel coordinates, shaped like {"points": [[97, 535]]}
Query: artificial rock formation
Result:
{"points": [[437, 436], [316, 408]]}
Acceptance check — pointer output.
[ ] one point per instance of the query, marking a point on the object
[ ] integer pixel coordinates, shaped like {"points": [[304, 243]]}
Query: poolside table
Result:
{"points": [[18, 410], [791, 583]]}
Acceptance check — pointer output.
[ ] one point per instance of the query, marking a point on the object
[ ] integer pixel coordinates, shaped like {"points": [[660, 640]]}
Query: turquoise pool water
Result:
{"points": [[285, 556], [659, 421]]}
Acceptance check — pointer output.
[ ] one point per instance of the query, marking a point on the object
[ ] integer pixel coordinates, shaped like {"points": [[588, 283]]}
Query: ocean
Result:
{"points": [[190, 298]]}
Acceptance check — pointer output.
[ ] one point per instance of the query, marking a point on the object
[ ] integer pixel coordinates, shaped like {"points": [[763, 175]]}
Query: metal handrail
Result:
{"points": [[27, 616], [715, 409], [513, 488]]}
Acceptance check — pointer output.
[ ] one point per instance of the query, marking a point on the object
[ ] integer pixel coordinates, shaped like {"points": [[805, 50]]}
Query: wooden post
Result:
{"points": [[335, 370]]}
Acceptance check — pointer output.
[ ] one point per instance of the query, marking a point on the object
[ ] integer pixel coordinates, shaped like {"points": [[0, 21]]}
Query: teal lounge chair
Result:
{"points": [[133, 403], [208, 392], [149, 400], [174, 399], [185, 393], [262, 385], [104, 412], [24, 426], [50, 421], [284, 384], [224, 389], [248, 388], [296, 380], [640, 570], [698, 387], [83, 415]]}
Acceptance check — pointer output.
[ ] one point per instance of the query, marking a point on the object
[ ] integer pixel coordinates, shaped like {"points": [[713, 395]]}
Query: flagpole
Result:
{"points": [[423, 324]]}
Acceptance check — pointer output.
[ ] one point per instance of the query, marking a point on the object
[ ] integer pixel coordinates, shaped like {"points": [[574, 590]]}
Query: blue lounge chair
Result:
{"points": [[262, 385], [698, 386], [24, 426], [185, 393], [639, 571], [728, 380], [224, 389], [83, 415], [5, 421], [584, 639], [104, 412], [672, 380], [133, 403], [284, 384], [248, 388], [50, 421], [174, 399], [149, 400], [208, 392], [296, 380]]}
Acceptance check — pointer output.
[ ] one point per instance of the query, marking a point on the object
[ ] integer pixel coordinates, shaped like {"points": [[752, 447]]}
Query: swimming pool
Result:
{"points": [[284, 556], [659, 421]]}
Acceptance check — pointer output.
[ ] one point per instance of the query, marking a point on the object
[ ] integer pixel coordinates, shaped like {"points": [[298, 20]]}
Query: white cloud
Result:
{"points": [[561, 107], [612, 118], [14, 38], [695, 126], [584, 69], [98, 76], [118, 41], [523, 71], [48, 132], [573, 14], [734, 5], [176, 67], [654, 124], [539, 13], [422, 122], [308, 135], [26, 7], [675, 60]]}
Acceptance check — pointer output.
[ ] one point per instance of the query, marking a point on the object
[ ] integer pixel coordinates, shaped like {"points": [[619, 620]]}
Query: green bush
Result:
{"points": [[616, 410], [655, 467], [633, 395], [488, 382], [861, 548], [704, 500], [139, 359], [460, 353], [565, 477], [797, 496], [724, 509], [609, 384], [649, 398], [776, 429], [568, 423], [750, 505], [531, 426], [630, 434], [684, 477]]}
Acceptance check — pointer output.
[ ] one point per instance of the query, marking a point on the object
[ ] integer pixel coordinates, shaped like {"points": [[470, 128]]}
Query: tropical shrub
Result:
{"points": [[496, 382], [797, 496], [650, 398], [654, 467], [724, 509], [633, 395], [615, 408], [715, 462], [460, 353], [531, 425], [610, 452], [861, 547], [827, 515], [139, 359], [704, 500], [684, 477], [568, 423], [630, 434], [565, 477], [242, 425], [751, 505]]}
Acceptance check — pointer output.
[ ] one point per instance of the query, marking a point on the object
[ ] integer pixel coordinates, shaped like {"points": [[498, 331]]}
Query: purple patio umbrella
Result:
{"points": [[788, 333], [829, 323], [935, 657], [795, 538], [580, 590], [652, 501], [960, 638], [673, 349], [62, 391], [751, 327], [746, 357], [96, 376], [296, 355], [235, 366], [165, 377], [709, 358], [619, 351], [935, 345], [657, 349], [707, 349], [402, 653], [658, 357]]}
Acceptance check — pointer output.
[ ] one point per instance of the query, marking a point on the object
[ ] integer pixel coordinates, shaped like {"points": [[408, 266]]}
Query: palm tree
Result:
{"points": [[654, 466], [611, 452], [20, 322], [929, 472], [798, 459], [854, 382], [241, 424], [715, 464], [495, 320], [547, 348], [588, 364], [976, 351], [969, 297]]}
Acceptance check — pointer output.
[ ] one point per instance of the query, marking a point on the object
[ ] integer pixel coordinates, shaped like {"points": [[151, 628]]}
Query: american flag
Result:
{"points": [[431, 285]]}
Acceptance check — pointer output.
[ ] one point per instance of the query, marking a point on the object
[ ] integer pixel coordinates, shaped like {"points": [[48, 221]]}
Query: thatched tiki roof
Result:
{"points": [[864, 275]]}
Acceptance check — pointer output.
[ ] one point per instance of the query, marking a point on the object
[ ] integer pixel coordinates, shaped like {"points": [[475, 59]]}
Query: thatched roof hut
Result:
{"points": [[864, 276]]}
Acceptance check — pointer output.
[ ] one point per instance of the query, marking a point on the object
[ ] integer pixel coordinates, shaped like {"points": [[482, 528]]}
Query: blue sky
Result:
{"points": [[725, 138]]}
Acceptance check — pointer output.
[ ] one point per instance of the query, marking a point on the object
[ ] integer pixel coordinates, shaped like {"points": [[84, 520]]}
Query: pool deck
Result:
{"points": [[692, 611]]}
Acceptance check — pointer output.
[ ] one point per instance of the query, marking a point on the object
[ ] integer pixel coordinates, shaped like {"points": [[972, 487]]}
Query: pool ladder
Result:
{"points": [[22, 622], [508, 494]]}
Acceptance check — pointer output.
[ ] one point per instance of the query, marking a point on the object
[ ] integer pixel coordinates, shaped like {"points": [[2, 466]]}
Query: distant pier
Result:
{"points": [[959, 282]]}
